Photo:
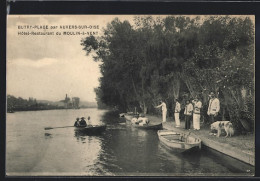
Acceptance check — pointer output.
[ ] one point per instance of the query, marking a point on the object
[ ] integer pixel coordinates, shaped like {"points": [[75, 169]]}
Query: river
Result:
{"points": [[120, 151]]}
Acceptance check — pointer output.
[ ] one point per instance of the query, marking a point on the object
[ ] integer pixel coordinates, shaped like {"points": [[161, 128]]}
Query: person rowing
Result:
{"points": [[83, 122], [77, 122]]}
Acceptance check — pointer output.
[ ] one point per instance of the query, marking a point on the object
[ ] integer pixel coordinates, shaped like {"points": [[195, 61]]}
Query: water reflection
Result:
{"points": [[120, 150], [233, 165], [128, 150], [48, 135], [78, 134], [178, 165], [81, 136], [139, 134]]}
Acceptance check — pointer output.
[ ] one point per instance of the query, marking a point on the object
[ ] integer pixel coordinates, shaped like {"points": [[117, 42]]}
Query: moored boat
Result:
{"points": [[149, 126], [91, 129], [178, 141]]}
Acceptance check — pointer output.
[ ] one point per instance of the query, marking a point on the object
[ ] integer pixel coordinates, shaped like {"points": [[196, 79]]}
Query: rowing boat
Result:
{"points": [[91, 129], [148, 126], [178, 141]]}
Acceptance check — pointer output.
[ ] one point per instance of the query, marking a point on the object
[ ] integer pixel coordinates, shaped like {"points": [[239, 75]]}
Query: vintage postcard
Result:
{"points": [[130, 95]]}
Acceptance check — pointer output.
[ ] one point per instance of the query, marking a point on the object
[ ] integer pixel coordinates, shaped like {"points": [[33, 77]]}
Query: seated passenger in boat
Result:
{"points": [[77, 122], [83, 122], [134, 120], [142, 121]]}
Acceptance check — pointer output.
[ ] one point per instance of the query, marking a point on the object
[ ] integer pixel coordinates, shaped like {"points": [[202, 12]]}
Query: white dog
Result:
{"points": [[223, 125]]}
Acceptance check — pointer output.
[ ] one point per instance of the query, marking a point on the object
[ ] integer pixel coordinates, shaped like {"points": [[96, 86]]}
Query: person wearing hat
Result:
{"points": [[142, 120], [196, 113], [177, 113], [83, 122], [164, 110], [188, 114], [77, 122], [214, 107]]}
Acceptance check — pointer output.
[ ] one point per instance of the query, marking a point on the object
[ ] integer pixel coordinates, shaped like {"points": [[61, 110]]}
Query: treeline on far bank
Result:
{"points": [[168, 57], [19, 104]]}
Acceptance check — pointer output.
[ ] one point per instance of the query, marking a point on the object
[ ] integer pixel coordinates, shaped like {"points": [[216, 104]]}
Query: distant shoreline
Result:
{"points": [[24, 110], [19, 104]]}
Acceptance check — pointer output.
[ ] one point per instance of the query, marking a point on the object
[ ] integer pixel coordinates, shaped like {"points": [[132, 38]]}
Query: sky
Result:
{"points": [[47, 67]]}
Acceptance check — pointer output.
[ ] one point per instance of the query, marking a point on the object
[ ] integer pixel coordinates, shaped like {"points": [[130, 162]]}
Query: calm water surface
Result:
{"points": [[121, 150]]}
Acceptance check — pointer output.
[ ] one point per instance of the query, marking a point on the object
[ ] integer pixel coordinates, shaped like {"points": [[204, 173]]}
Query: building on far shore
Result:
{"points": [[71, 103], [75, 102]]}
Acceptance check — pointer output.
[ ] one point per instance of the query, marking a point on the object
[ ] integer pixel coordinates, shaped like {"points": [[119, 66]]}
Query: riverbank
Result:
{"points": [[241, 147]]}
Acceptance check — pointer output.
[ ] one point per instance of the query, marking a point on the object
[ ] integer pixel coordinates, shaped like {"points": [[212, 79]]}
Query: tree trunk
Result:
{"points": [[234, 110], [144, 109], [134, 87], [188, 84], [176, 86], [223, 113], [243, 98]]}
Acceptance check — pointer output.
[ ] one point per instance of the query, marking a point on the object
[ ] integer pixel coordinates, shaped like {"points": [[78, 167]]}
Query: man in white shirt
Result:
{"points": [[214, 107], [177, 113], [164, 110]]}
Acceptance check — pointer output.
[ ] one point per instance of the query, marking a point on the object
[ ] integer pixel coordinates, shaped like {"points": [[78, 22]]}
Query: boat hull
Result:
{"points": [[91, 130], [149, 127], [178, 141]]}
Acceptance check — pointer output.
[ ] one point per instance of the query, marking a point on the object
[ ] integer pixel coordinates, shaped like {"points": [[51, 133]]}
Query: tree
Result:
{"points": [[224, 63], [177, 56]]}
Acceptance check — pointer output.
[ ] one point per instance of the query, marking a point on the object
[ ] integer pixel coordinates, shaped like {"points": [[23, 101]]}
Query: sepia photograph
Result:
{"points": [[130, 95]]}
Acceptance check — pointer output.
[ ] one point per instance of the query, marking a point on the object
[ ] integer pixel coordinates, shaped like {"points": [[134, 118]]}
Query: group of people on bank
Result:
{"points": [[192, 111]]}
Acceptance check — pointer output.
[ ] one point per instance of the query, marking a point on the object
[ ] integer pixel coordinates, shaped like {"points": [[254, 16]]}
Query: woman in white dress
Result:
{"points": [[196, 113]]}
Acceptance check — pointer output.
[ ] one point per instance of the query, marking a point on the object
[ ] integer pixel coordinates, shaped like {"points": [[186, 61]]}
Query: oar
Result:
{"points": [[47, 128]]}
